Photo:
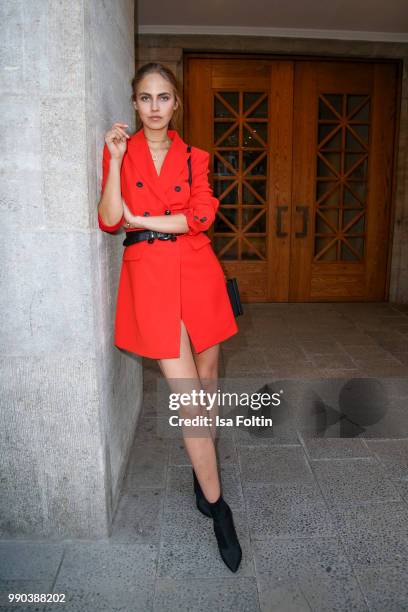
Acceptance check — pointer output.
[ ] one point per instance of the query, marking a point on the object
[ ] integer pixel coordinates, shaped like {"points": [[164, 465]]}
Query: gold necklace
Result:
{"points": [[156, 156], [164, 140]]}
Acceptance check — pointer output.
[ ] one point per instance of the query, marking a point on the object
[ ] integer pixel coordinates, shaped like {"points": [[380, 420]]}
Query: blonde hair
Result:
{"points": [[168, 74]]}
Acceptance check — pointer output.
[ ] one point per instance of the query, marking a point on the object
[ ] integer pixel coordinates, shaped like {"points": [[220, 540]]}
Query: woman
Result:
{"points": [[172, 302]]}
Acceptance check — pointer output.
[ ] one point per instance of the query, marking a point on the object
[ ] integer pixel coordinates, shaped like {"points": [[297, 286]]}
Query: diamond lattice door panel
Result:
{"points": [[240, 149], [301, 162], [343, 148], [342, 177]]}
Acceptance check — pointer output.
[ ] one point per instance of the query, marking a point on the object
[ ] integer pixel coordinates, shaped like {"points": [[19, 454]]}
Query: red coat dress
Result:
{"points": [[167, 281]]}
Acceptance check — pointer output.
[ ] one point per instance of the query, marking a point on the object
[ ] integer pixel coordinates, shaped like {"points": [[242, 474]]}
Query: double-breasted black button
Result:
{"points": [[203, 219], [167, 212], [195, 217], [177, 188], [139, 184], [146, 213]]}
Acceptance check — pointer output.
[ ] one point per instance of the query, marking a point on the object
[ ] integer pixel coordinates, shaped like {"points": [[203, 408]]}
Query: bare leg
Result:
{"points": [[207, 368], [179, 372]]}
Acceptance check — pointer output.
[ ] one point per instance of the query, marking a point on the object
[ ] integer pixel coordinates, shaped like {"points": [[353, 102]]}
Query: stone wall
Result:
{"points": [[70, 400]]}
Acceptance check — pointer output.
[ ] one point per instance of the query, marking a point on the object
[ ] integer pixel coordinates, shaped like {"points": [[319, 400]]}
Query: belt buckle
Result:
{"points": [[163, 236]]}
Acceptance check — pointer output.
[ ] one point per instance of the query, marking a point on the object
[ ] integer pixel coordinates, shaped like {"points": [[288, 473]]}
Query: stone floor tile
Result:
{"points": [[345, 373], [371, 519], [402, 357], [155, 430], [109, 575], [275, 465], [316, 573], [393, 425], [287, 510], [334, 448], [402, 488], [147, 466], [251, 362], [343, 339], [381, 370], [334, 360], [354, 480], [393, 455], [154, 404], [29, 559], [281, 354], [367, 352], [138, 516], [368, 551], [386, 588], [319, 347], [198, 595], [275, 435]]}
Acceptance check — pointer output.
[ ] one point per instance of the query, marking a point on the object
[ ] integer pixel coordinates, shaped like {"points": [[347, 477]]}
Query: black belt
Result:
{"points": [[149, 235]]}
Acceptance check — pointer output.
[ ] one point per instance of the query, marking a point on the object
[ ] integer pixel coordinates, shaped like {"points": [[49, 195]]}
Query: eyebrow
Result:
{"points": [[145, 93]]}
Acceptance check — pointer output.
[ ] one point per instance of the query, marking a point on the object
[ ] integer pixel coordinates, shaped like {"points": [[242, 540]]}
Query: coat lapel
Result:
{"points": [[173, 165]]}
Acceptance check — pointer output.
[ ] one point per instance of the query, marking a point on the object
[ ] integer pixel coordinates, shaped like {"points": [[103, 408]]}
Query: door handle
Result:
{"points": [[305, 213], [279, 232]]}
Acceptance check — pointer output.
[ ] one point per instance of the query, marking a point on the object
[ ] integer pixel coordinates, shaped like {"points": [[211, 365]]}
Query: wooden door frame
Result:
{"points": [[398, 62]]}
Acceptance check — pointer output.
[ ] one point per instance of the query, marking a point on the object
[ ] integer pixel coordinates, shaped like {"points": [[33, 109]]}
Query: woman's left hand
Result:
{"points": [[131, 220]]}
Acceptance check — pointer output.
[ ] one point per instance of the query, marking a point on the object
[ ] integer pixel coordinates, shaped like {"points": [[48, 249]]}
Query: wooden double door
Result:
{"points": [[302, 164]]}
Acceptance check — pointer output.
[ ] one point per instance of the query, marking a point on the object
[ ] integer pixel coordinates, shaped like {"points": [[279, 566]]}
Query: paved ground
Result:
{"points": [[322, 520]]}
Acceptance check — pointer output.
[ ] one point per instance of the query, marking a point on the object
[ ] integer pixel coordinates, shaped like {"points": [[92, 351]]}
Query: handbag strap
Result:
{"points": [[189, 165]]}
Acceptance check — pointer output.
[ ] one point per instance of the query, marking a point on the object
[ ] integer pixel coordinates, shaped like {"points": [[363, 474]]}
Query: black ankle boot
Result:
{"points": [[201, 502], [225, 533]]}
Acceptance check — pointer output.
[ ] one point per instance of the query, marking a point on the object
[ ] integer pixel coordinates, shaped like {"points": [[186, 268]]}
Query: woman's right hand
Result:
{"points": [[116, 140]]}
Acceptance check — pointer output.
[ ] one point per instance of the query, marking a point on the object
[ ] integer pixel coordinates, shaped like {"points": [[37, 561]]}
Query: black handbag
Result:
{"points": [[232, 285], [235, 299]]}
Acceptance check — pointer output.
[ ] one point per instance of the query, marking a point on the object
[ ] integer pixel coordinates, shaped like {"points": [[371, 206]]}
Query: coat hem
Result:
{"points": [[149, 356], [200, 349], [204, 347]]}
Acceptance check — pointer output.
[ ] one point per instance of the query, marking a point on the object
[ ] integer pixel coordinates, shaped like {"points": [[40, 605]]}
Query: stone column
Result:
{"points": [[70, 399]]}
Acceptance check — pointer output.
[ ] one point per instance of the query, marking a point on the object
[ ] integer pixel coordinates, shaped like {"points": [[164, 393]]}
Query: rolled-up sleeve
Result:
{"points": [[203, 206], [105, 172]]}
